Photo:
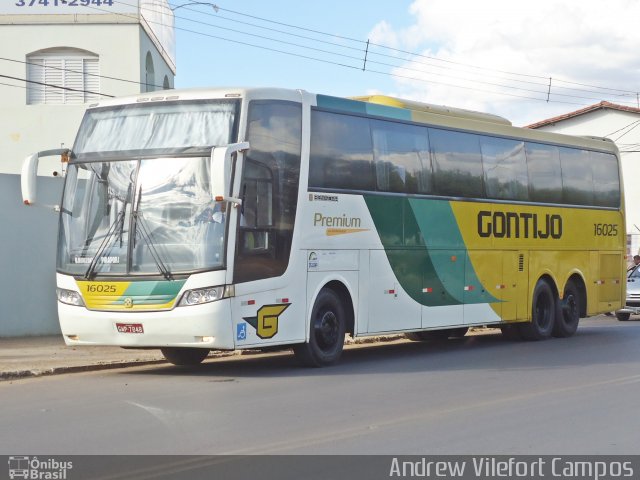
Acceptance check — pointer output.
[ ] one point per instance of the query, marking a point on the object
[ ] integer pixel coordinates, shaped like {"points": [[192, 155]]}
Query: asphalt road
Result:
{"points": [[478, 395]]}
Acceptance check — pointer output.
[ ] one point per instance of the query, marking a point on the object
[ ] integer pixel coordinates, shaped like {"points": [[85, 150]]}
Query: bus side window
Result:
{"points": [[457, 163], [257, 208], [545, 174], [606, 179]]}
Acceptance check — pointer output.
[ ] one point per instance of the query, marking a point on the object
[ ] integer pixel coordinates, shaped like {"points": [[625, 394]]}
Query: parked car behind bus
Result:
{"points": [[632, 304]]}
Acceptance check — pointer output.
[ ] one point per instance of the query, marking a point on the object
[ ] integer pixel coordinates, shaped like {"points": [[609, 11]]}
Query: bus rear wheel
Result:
{"points": [[543, 313], [327, 331], [566, 322], [185, 356]]}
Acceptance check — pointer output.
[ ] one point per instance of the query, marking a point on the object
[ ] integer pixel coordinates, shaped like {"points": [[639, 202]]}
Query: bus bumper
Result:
{"points": [[200, 326]]}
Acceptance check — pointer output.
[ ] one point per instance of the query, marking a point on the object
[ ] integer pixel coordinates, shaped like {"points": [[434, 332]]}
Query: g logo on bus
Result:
{"points": [[128, 302], [266, 323]]}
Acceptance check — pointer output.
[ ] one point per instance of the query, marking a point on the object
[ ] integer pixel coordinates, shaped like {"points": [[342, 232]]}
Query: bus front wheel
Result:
{"points": [[543, 313], [327, 331], [185, 356]]}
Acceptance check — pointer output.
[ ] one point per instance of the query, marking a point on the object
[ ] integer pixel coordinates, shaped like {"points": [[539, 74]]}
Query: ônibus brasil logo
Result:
{"points": [[37, 469]]}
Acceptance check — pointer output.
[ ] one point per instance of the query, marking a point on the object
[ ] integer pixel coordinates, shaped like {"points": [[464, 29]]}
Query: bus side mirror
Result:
{"points": [[222, 170], [29, 174]]}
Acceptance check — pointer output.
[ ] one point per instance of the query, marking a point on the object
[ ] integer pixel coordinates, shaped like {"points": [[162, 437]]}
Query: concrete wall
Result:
{"points": [[28, 239]]}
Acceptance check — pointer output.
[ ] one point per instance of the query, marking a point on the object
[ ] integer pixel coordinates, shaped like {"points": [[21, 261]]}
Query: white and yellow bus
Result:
{"points": [[252, 218]]}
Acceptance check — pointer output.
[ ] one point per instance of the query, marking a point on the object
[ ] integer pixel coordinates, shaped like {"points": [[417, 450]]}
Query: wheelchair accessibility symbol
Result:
{"points": [[241, 332]]}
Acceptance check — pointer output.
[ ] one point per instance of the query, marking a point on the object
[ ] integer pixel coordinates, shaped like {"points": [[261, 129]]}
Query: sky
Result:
{"points": [[526, 61]]}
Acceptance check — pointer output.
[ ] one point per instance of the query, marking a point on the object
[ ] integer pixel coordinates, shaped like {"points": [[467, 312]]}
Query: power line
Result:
{"points": [[217, 7], [541, 77], [629, 130], [351, 57], [55, 86], [12, 85], [623, 128], [358, 49], [78, 72]]}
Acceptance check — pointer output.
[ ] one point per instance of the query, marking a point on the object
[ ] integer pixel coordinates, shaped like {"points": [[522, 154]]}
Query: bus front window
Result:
{"points": [[152, 216]]}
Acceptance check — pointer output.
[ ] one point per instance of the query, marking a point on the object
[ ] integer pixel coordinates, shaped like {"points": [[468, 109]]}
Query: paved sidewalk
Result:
{"points": [[35, 356]]}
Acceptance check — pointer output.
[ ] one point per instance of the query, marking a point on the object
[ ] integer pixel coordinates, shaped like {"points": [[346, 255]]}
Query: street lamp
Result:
{"points": [[215, 7]]}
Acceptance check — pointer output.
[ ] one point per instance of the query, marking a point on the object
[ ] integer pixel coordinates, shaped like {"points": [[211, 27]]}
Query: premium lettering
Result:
{"points": [[343, 221], [519, 225]]}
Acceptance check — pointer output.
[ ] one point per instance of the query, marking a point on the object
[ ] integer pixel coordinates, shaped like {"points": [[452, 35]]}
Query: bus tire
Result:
{"points": [[437, 335], [544, 309], [326, 332], [185, 356], [566, 322], [623, 316]]}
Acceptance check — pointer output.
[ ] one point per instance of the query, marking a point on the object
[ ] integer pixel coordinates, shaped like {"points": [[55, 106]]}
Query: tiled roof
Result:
{"points": [[582, 111]]}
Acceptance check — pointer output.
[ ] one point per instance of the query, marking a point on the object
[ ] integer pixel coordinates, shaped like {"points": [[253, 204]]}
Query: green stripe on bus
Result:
{"points": [[150, 288], [425, 249], [438, 225]]}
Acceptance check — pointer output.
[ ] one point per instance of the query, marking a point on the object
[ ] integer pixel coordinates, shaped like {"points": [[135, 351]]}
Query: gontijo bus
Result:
{"points": [[246, 218]]}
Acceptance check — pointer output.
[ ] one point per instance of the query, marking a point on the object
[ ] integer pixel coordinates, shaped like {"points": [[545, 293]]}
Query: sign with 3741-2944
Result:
{"points": [[60, 7]]}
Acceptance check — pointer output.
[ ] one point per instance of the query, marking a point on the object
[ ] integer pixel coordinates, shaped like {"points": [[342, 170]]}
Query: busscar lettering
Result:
{"points": [[519, 225]]}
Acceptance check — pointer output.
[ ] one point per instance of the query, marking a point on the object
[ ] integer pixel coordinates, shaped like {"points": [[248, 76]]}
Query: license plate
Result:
{"points": [[129, 327]]}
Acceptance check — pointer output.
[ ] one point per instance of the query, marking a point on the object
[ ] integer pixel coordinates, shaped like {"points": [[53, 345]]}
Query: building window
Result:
{"points": [[166, 85], [150, 73], [64, 76]]}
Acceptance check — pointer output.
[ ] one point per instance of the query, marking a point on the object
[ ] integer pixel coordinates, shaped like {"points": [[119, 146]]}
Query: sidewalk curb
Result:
{"points": [[21, 374]]}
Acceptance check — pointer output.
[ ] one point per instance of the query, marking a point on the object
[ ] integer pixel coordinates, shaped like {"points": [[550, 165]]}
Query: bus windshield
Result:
{"points": [[151, 216], [137, 197], [155, 128]]}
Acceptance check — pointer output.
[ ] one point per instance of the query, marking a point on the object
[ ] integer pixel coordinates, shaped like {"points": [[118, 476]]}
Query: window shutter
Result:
{"points": [[68, 68], [35, 72], [74, 78], [54, 76], [91, 79]]}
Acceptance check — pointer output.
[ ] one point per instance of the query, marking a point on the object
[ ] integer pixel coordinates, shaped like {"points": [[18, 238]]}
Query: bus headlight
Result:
{"points": [[205, 295], [69, 297]]}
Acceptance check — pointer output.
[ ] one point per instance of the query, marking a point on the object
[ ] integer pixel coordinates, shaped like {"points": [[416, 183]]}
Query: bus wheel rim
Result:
{"points": [[326, 330], [543, 311]]}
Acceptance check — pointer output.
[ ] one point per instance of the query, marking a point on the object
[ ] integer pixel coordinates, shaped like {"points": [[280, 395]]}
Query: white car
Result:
{"points": [[632, 304]]}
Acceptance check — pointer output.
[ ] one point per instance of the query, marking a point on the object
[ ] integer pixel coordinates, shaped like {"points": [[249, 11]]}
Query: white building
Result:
{"points": [[106, 48], [622, 125], [119, 48]]}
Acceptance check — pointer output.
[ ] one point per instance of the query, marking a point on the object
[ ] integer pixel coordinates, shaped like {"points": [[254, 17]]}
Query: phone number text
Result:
{"points": [[63, 3]]}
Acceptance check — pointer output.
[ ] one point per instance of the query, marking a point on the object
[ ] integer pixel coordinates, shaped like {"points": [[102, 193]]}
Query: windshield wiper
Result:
{"points": [[138, 220], [114, 228], [117, 227]]}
